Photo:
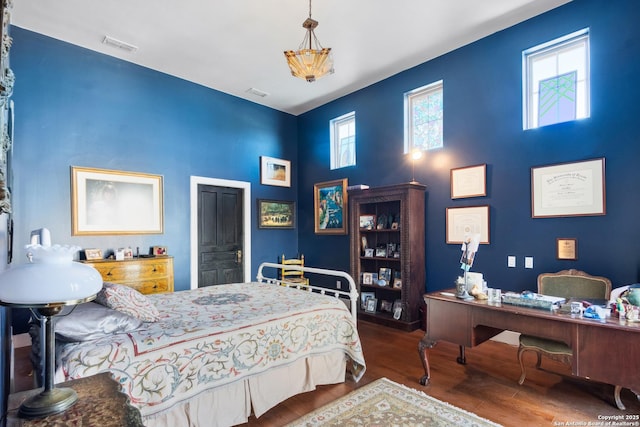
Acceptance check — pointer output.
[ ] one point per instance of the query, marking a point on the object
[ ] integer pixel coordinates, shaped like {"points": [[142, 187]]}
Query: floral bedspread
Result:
{"points": [[214, 336]]}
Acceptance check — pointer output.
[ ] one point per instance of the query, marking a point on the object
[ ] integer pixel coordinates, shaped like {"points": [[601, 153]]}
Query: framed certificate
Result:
{"points": [[567, 248], [469, 181]]}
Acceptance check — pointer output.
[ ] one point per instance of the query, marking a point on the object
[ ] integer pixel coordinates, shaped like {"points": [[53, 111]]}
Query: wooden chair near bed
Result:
{"points": [[567, 284], [293, 276]]}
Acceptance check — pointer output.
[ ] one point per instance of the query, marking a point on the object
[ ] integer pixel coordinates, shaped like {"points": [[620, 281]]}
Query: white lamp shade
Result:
{"points": [[52, 277]]}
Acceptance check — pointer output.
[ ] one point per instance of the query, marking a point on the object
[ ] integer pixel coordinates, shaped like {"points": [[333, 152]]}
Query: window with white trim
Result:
{"points": [[423, 118], [555, 77], [343, 141]]}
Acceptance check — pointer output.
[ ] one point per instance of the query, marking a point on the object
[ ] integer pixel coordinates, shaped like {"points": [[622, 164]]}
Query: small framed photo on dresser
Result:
{"points": [[93, 254], [158, 250]]}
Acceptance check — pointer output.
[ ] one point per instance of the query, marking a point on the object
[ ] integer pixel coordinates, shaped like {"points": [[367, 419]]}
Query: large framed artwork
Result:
{"points": [[568, 189], [467, 221], [115, 202], [275, 171], [276, 214], [469, 181], [330, 207]]}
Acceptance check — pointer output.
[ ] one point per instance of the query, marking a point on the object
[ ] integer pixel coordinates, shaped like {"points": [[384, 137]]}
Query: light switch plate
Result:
{"points": [[511, 261], [528, 262]]}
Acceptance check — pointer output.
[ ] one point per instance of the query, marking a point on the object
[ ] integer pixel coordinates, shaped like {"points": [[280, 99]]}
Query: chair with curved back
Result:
{"points": [[293, 276], [569, 284]]}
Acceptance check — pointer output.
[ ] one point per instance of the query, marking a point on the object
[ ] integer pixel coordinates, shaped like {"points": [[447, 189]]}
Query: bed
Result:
{"points": [[215, 355]]}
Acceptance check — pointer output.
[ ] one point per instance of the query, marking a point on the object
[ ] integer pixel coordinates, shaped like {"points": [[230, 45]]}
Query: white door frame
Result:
{"points": [[246, 214]]}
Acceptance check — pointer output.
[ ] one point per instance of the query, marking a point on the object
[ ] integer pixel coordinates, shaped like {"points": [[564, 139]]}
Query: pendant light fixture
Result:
{"points": [[311, 61]]}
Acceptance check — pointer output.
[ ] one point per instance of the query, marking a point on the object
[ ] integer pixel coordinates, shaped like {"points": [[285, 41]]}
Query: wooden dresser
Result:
{"points": [[146, 275]]}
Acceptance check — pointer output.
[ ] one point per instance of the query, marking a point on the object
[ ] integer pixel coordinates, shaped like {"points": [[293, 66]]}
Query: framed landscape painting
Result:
{"points": [[115, 202], [330, 207], [276, 214]]}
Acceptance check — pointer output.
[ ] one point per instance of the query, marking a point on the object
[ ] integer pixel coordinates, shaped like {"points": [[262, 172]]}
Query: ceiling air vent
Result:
{"points": [[110, 41], [257, 92]]}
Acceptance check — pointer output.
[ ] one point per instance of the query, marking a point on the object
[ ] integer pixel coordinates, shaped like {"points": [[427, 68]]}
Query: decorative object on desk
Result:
{"points": [[91, 254], [159, 250], [567, 248], [386, 403], [469, 248], [568, 189], [275, 171], [330, 207], [50, 281], [368, 222], [107, 202], [463, 222], [469, 181]]}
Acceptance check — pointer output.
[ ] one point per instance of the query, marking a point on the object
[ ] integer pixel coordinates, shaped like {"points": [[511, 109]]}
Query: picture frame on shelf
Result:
{"points": [[367, 222], [92, 254], [364, 296], [385, 273], [386, 306], [397, 283], [276, 214], [330, 207], [463, 222], [275, 172], [105, 202], [568, 189], [368, 253], [159, 250], [381, 251], [469, 181], [367, 278], [371, 305]]}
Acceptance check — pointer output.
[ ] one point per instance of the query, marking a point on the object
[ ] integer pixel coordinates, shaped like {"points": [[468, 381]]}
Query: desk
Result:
{"points": [[606, 352], [100, 403]]}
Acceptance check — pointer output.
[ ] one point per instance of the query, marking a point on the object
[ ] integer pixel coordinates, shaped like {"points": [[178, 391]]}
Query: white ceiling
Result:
{"points": [[234, 45]]}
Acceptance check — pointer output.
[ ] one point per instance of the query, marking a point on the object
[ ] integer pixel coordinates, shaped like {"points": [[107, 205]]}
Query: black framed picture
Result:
{"points": [[276, 214]]}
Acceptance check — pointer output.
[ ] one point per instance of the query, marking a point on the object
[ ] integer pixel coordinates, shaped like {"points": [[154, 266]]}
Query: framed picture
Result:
{"points": [[463, 222], [159, 250], [128, 253], [367, 278], [275, 171], [469, 181], [276, 214], [364, 296], [397, 309], [568, 189], [386, 305], [368, 222], [93, 254], [368, 252], [385, 273], [567, 248], [330, 207], [371, 305], [115, 202], [381, 251], [397, 283]]}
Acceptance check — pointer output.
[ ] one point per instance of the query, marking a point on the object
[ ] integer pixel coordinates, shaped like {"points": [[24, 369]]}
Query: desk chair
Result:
{"points": [[293, 276], [566, 284]]}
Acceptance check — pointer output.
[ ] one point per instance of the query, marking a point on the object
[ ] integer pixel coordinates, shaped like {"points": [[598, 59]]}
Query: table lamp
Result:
{"points": [[47, 283]]}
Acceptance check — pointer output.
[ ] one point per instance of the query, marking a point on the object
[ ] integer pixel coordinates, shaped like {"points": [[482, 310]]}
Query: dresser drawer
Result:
{"points": [[146, 275]]}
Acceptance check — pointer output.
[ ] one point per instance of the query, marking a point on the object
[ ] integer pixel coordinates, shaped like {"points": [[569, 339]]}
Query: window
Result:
{"points": [[423, 113], [555, 78], [343, 141]]}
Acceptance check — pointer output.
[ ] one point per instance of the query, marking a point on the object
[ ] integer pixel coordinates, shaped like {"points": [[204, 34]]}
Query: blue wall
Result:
{"points": [[77, 107], [483, 124]]}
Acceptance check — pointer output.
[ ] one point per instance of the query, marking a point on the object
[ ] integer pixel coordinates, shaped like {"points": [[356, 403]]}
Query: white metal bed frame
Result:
{"points": [[351, 294]]}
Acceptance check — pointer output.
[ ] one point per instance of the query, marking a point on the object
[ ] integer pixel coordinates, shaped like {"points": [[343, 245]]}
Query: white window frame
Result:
{"points": [[334, 126], [529, 85], [409, 100]]}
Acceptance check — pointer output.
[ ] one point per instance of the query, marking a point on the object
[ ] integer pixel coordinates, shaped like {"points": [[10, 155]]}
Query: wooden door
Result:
{"points": [[220, 235]]}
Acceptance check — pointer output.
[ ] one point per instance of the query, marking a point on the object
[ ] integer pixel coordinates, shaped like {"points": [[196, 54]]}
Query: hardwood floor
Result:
{"points": [[487, 385]]}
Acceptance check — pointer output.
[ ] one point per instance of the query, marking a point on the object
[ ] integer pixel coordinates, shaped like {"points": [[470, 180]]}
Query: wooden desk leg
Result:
{"points": [[462, 359], [423, 345]]}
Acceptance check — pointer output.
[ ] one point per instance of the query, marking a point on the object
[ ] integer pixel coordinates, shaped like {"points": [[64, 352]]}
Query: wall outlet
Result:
{"points": [[528, 262], [338, 284], [511, 261]]}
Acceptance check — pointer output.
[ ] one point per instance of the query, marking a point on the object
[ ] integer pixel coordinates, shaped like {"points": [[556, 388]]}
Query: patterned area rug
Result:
{"points": [[385, 403]]}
